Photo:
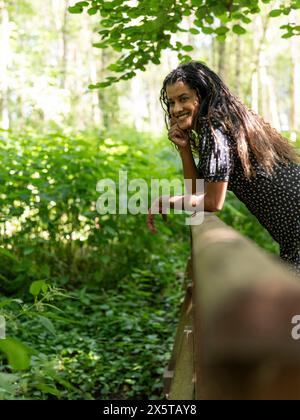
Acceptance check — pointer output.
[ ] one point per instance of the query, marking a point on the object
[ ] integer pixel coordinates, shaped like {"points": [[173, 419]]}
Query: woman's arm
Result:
{"points": [[187, 202], [189, 167], [215, 192]]}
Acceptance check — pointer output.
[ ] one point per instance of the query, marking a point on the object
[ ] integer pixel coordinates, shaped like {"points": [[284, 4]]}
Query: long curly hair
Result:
{"points": [[252, 135]]}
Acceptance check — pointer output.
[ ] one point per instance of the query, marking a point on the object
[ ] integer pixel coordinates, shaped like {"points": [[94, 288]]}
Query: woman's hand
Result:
{"points": [[178, 136], [156, 208], [187, 202]]}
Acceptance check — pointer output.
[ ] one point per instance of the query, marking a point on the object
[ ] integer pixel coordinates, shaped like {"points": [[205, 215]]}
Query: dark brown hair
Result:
{"points": [[249, 130]]}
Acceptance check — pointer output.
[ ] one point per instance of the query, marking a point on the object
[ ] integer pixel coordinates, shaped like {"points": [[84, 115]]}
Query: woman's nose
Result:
{"points": [[177, 108]]}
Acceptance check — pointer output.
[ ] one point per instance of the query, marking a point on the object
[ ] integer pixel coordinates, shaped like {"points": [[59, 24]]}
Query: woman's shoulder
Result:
{"points": [[214, 134], [213, 124]]}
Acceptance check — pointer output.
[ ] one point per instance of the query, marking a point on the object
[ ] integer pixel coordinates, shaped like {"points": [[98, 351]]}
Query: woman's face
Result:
{"points": [[183, 104]]}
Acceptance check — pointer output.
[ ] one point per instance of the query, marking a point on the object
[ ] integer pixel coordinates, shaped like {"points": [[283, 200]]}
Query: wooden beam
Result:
{"points": [[244, 300]]}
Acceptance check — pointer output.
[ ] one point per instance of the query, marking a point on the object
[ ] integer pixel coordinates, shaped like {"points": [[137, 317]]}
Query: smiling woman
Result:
{"points": [[237, 150], [184, 106]]}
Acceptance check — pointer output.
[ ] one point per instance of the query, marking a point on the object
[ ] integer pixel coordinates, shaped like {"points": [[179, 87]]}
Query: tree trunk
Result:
{"points": [[254, 91], [4, 62], [295, 88], [264, 82], [222, 59], [213, 53], [60, 17], [259, 30], [64, 56], [273, 109], [238, 65], [97, 114]]}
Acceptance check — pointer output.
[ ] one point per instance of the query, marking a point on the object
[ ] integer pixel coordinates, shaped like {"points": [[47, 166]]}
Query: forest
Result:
{"points": [[89, 302]]}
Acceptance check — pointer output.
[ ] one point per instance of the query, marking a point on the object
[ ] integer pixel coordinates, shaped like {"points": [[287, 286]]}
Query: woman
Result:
{"points": [[237, 150]]}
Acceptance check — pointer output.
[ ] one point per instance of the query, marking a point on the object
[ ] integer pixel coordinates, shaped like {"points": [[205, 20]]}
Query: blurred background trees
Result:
{"points": [[48, 62], [91, 301]]}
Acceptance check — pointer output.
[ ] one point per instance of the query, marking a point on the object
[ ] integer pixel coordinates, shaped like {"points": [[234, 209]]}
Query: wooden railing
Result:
{"points": [[234, 336]]}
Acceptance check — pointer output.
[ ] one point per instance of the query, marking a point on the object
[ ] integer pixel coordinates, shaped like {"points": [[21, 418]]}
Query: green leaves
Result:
{"points": [[37, 287], [209, 19], [275, 12], [75, 10], [222, 30], [8, 385], [5, 253], [79, 6], [131, 297], [46, 389], [187, 48], [238, 30], [145, 28], [291, 30], [47, 324], [92, 11], [16, 353], [82, 4], [285, 10]]}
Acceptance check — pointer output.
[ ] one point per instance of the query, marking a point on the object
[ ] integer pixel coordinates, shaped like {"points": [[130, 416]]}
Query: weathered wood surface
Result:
{"points": [[243, 302], [178, 376]]}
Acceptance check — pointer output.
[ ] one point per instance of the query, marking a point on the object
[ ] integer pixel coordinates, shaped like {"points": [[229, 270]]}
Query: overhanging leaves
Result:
{"points": [[142, 29]]}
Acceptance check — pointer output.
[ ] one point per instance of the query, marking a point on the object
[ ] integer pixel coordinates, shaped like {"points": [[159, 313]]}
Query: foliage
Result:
{"points": [[19, 355], [141, 31], [49, 182], [49, 65], [107, 344], [48, 212], [109, 334]]}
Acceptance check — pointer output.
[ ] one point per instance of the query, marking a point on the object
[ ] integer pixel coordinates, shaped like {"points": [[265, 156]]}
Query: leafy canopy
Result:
{"points": [[141, 29]]}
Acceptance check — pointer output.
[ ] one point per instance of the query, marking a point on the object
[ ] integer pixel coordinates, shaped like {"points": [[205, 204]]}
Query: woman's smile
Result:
{"points": [[183, 116], [183, 104]]}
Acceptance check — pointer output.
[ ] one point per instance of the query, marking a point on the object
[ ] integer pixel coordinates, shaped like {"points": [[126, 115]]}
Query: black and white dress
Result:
{"points": [[273, 199]]}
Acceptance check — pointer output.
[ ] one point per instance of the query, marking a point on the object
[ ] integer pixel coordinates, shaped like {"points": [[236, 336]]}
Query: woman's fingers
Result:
{"points": [[150, 222], [177, 136], [173, 121], [179, 141]]}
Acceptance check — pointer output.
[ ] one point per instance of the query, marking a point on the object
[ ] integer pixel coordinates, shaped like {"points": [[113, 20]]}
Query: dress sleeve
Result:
{"points": [[216, 161]]}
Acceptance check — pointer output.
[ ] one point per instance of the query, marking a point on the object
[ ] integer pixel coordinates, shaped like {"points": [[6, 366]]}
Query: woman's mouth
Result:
{"points": [[182, 117]]}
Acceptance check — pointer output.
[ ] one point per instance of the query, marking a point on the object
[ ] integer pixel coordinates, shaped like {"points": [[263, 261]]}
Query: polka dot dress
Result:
{"points": [[274, 199]]}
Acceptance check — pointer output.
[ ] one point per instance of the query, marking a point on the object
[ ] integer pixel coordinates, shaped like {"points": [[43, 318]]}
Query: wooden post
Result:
{"points": [[179, 375], [244, 301]]}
